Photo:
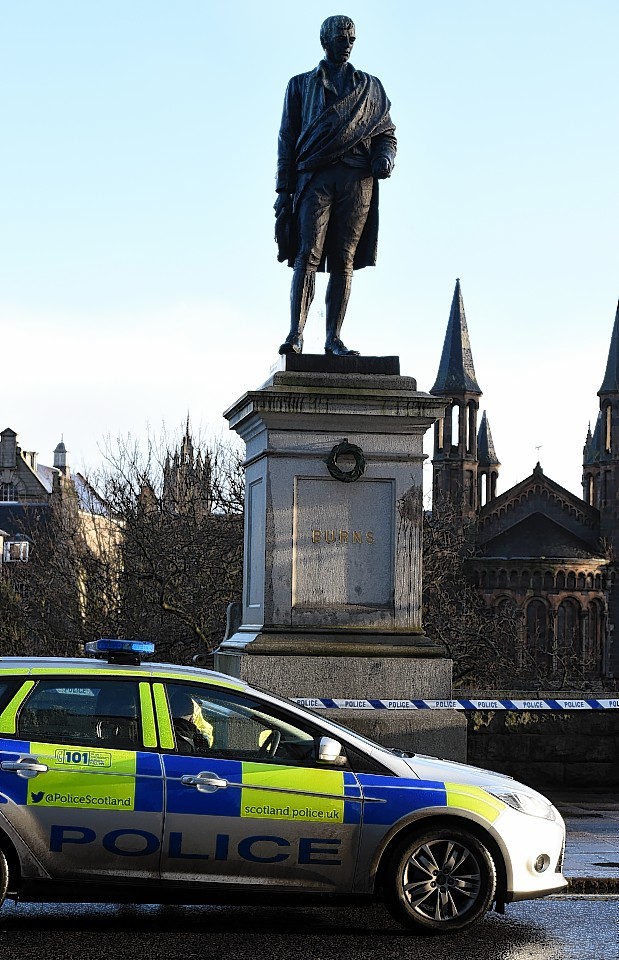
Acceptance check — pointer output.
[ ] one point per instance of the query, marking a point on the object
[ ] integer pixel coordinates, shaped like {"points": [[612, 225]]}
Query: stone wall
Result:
{"points": [[549, 750]]}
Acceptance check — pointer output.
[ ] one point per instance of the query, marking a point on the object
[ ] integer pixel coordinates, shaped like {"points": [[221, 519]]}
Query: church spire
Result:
{"points": [[455, 435], [611, 377], [456, 373]]}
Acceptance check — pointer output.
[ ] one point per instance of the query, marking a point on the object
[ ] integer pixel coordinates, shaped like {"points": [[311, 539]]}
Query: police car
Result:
{"points": [[123, 780]]}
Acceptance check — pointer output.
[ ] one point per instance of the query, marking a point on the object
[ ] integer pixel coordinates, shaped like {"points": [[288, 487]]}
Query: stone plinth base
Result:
{"points": [[441, 734], [342, 643]]}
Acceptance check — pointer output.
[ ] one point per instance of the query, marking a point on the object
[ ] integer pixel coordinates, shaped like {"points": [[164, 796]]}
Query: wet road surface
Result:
{"points": [[567, 928]]}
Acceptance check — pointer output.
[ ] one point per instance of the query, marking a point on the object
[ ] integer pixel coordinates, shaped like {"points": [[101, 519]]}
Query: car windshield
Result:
{"points": [[394, 751]]}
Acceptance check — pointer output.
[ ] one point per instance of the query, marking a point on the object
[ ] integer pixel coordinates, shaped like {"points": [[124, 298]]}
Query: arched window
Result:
{"points": [[503, 578], [471, 438], [483, 489], [548, 580], [560, 580], [571, 580], [568, 631], [440, 426], [525, 580], [590, 487], [608, 423], [514, 580], [594, 650], [455, 425], [537, 633]]}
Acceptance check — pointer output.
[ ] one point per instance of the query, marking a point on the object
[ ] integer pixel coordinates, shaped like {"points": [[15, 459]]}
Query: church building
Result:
{"points": [[541, 554]]}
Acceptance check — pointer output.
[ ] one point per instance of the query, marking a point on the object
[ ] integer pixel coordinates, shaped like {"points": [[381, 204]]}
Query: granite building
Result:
{"points": [[541, 554]]}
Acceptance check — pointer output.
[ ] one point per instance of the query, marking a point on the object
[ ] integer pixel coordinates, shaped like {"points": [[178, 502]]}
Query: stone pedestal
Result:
{"points": [[333, 522]]}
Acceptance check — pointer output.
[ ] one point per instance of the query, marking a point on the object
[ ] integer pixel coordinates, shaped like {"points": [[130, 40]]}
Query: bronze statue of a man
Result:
{"points": [[336, 141]]}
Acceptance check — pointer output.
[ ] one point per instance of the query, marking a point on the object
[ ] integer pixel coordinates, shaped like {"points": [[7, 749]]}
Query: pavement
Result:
{"points": [[591, 863]]}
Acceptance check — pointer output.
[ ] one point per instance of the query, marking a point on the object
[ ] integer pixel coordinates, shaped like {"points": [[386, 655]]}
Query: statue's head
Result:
{"points": [[337, 35]]}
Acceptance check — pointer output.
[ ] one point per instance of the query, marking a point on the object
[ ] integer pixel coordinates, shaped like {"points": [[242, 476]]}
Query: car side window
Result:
{"points": [[84, 712], [232, 726], [6, 691]]}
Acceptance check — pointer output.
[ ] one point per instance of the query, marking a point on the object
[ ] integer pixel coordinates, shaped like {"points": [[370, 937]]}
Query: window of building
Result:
{"points": [[15, 550], [440, 427], [568, 632], [455, 425], [538, 646], [590, 487], [594, 649], [8, 493], [608, 422], [471, 432], [483, 489]]}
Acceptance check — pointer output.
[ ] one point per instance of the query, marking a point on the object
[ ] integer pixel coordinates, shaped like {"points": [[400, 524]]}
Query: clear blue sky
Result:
{"points": [[138, 275]]}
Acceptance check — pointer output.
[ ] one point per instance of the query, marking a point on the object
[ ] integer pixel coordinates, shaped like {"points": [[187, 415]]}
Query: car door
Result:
{"points": [[78, 787], [249, 803]]}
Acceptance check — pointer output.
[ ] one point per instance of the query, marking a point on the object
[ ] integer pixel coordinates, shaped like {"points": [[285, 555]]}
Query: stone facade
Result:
{"points": [[542, 554], [552, 751]]}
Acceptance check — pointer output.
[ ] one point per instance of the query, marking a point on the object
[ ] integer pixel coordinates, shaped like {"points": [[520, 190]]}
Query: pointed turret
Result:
{"points": [[487, 463], [455, 436], [486, 455], [61, 459], [591, 449], [591, 464]]}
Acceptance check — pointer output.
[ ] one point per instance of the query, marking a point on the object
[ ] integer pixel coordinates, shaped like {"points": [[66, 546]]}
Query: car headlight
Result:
{"points": [[533, 804]]}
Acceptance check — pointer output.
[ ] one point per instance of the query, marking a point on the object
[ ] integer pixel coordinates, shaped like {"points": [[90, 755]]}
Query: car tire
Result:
{"points": [[440, 880], [4, 877]]}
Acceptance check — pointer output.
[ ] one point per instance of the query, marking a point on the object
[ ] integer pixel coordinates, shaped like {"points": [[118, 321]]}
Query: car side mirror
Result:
{"points": [[330, 752]]}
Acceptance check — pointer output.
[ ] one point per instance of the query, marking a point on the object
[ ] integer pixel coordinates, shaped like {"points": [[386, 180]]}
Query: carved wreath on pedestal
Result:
{"points": [[346, 449]]}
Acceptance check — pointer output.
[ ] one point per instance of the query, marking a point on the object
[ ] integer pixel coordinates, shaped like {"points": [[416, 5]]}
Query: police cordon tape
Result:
{"points": [[325, 703]]}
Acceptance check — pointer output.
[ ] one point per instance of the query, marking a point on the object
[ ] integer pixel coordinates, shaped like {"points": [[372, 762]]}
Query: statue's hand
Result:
{"points": [[381, 168], [283, 204]]}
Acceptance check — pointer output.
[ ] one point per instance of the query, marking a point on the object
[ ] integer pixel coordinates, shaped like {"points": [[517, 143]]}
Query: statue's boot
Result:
{"points": [[338, 292], [301, 296]]}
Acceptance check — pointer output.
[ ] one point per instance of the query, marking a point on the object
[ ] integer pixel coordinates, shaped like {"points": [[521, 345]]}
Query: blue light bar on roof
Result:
{"points": [[120, 646]]}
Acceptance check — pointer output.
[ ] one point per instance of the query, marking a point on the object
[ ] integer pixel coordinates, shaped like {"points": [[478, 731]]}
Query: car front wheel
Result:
{"points": [[440, 880]]}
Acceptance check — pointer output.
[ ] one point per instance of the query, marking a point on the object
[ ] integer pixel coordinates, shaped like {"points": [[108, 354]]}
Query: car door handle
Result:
{"points": [[205, 782], [27, 767]]}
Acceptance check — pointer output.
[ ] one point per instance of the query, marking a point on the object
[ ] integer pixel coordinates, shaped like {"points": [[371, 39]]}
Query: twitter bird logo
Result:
{"points": [[37, 797]]}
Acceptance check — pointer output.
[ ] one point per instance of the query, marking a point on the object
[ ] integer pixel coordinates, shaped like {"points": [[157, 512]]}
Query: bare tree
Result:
{"points": [[180, 505], [483, 643], [149, 547]]}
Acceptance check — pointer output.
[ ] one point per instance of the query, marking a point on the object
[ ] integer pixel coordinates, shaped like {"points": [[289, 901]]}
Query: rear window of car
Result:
{"points": [[98, 712], [7, 689]]}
